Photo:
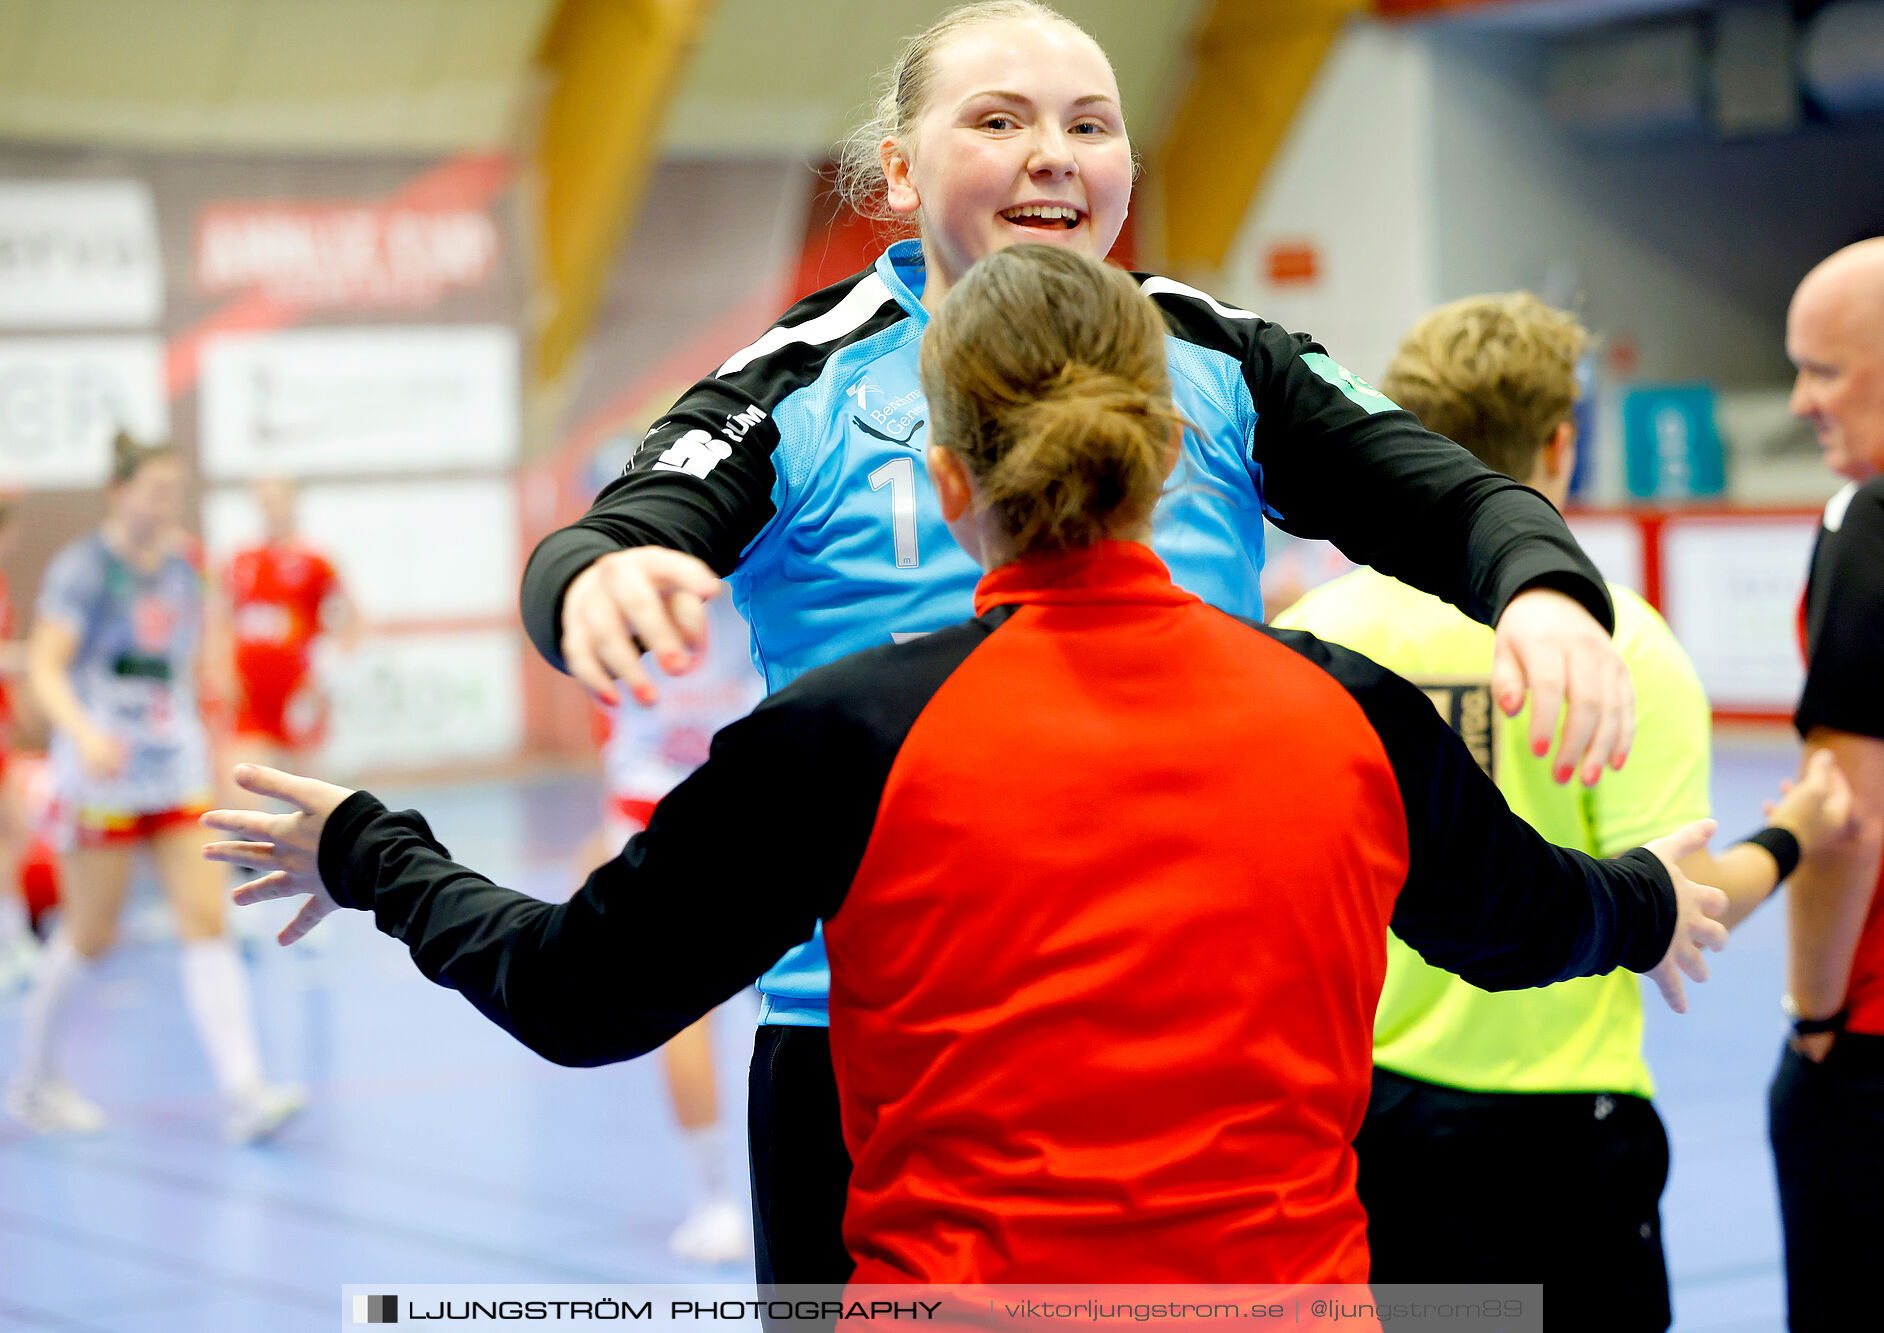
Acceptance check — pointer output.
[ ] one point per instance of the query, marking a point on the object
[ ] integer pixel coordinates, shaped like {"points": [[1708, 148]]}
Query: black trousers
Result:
{"points": [[800, 1169], [1826, 1125], [1558, 1188]]}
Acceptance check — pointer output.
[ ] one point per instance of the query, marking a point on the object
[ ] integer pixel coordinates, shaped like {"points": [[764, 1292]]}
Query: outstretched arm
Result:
{"points": [[1340, 460], [576, 982], [1817, 811], [700, 490], [1486, 896], [736, 866], [1830, 894]]}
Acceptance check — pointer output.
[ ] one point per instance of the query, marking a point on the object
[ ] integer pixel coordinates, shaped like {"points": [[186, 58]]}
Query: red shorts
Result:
{"points": [[109, 828]]}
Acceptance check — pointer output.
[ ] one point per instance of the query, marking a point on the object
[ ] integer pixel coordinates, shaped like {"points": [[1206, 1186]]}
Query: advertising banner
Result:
{"points": [[418, 700], [327, 401], [62, 400], [1615, 545], [1730, 591], [320, 256], [79, 254]]}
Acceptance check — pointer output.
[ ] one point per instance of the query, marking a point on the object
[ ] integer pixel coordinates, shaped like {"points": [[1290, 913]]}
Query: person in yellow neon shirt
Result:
{"points": [[1543, 1092]]}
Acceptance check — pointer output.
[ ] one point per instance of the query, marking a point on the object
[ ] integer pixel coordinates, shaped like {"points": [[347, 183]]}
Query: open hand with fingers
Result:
{"points": [[1817, 809], [1550, 647], [646, 597], [286, 847], [1698, 908]]}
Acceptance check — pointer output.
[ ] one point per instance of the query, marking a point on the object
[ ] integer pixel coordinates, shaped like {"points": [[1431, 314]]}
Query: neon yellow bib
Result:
{"points": [[1577, 1036]]}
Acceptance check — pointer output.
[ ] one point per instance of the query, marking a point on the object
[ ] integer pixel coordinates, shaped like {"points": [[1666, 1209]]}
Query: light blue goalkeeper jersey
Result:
{"points": [[796, 470]]}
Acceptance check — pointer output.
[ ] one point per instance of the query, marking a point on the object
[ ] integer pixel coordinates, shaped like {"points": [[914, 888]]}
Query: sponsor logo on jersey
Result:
{"points": [[1356, 388], [696, 453], [738, 426], [892, 420], [1466, 707], [153, 623], [908, 440]]}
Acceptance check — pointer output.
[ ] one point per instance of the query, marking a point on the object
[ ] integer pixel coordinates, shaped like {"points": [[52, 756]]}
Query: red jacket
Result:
{"points": [[1106, 876]]}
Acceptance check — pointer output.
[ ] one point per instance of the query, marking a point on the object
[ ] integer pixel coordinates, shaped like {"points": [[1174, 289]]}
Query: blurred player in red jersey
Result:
{"points": [[282, 596], [18, 949]]}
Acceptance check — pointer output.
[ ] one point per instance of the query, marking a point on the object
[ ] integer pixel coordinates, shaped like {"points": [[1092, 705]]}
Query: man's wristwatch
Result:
{"points": [[1811, 1027]]}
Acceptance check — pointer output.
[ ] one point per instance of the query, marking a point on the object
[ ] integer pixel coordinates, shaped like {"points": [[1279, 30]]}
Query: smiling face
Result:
{"points": [[1835, 338], [1021, 138]]}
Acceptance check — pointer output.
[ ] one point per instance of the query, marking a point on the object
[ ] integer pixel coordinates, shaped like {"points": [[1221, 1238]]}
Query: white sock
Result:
{"points": [[61, 969], [216, 988], [706, 1146]]}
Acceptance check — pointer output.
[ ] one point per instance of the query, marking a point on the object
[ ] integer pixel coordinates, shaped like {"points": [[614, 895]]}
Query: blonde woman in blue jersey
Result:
{"points": [[1548, 1088], [795, 471]]}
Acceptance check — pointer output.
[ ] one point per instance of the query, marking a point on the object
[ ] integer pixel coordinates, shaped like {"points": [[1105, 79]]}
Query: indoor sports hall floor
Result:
{"points": [[435, 1149]]}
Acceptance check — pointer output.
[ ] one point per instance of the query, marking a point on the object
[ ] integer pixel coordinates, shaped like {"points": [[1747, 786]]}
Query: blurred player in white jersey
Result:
{"points": [[113, 658], [645, 754]]}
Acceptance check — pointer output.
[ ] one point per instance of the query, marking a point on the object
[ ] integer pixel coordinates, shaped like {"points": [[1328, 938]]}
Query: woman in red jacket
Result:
{"points": [[1105, 873]]}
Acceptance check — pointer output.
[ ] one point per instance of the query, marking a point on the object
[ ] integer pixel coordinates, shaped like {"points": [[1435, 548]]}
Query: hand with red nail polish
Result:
{"points": [[645, 599], [1549, 646]]}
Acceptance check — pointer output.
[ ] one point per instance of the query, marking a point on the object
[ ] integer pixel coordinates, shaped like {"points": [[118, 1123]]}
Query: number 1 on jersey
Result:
{"points": [[899, 474]]}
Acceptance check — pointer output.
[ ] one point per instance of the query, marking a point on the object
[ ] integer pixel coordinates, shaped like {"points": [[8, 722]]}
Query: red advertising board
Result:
{"points": [[324, 256]]}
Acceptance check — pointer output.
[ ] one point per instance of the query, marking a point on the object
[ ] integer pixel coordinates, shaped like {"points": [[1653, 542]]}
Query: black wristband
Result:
{"points": [[1811, 1027], [1781, 845]]}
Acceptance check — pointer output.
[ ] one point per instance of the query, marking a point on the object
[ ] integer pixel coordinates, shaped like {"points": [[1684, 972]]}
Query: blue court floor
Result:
{"points": [[437, 1150]]}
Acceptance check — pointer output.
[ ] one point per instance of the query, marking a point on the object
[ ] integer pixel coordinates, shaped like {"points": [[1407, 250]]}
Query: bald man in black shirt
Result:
{"points": [[1827, 1100]]}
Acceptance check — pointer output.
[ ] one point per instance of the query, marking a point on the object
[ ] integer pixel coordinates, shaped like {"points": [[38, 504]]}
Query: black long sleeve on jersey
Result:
{"points": [[1383, 489], [1467, 847], [744, 857]]}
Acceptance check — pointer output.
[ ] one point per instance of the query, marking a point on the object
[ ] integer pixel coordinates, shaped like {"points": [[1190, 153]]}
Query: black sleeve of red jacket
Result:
{"points": [[1486, 897], [736, 866], [1385, 490], [1845, 622]]}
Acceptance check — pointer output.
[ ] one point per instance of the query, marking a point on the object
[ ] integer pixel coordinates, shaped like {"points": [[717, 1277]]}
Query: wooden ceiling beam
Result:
{"points": [[611, 68], [1252, 63]]}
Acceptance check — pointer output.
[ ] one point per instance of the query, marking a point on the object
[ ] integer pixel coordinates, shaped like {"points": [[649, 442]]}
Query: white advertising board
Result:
{"points": [[1730, 591], [63, 399], [308, 402], [1615, 545], [424, 550], [417, 700], [79, 255]]}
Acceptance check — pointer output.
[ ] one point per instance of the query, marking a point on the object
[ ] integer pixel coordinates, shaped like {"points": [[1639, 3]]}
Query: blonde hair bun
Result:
{"points": [[1045, 373]]}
